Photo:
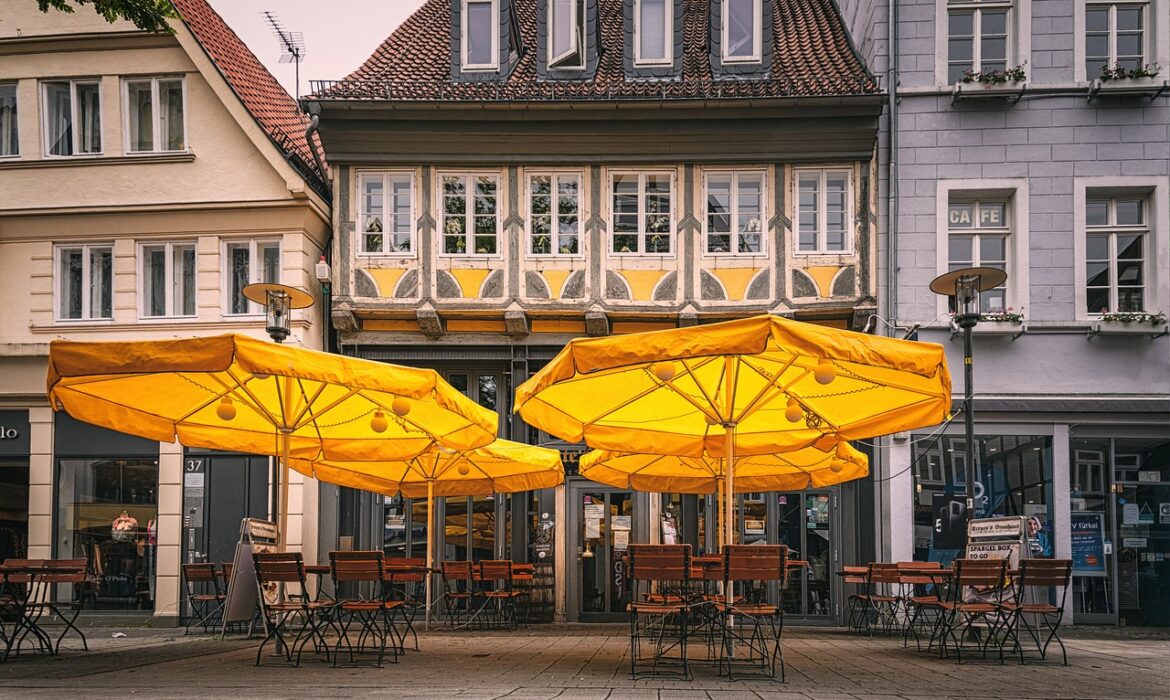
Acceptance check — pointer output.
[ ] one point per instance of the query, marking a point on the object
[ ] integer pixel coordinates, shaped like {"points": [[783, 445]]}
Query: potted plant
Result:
{"points": [[995, 76], [1120, 72]]}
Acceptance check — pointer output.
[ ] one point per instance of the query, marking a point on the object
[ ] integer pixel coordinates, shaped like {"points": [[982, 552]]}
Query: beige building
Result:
{"points": [[144, 180]]}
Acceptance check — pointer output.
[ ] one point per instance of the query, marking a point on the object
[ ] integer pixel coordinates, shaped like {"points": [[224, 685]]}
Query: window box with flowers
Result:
{"points": [[1130, 323], [1121, 81], [1008, 84], [1004, 322]]}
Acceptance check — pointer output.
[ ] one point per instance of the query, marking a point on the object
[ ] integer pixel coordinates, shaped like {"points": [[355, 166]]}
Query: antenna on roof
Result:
{"points": [[292, 45]]}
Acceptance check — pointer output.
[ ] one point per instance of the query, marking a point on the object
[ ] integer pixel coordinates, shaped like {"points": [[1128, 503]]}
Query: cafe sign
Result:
{"points": [[14, 438]]}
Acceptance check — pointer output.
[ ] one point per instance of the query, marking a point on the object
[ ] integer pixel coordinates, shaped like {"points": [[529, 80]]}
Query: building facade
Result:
{"points": [[512, 174], [144, 180], [1034, 136]]}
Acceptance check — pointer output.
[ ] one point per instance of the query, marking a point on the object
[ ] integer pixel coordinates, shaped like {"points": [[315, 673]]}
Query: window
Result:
{"points": [[554, 214], [823, 198], [742, 21], [470, 220], [73, 121], [85, 282], [168, 279], [735, 212], [978, 237], [1115, 234], [9, 134], [386, 212], [642, 221], [154, 115], [249, 262], [977, 37], [653, 32], [481, 29], [566, 32], [1114, 36]]}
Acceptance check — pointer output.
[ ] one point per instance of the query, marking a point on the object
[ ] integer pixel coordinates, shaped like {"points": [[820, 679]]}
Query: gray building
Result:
{"points": [[1034, 136]]}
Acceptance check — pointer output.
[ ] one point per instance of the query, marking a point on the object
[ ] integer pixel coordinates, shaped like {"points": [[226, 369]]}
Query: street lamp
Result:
{"points": [[278, 301], [965, 285]]}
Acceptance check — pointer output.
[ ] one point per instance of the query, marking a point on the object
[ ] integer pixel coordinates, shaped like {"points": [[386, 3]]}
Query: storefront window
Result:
{"points": [[1013, 477], [13, 509], [107, 513]]}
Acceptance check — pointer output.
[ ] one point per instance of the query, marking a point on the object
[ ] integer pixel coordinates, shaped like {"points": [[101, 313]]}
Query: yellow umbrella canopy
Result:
{"points": [[782, 471], [772, 383], [233, 392], [499, 467]]}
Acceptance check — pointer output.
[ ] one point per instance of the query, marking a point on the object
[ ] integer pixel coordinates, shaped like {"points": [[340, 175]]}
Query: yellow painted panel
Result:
{"points": [[823, 276], [735, 280], [642, 282], [623, 327], [387, 325], [462, 325], [470, 280], [555, 326], [556, 281], [386, 278]]}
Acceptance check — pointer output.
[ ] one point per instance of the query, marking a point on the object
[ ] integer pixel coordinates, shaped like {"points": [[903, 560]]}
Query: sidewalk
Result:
{"points": [[580, 662]]}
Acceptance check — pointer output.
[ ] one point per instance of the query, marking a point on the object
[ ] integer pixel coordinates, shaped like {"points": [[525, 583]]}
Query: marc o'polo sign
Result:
{"points": [[14, 433]]}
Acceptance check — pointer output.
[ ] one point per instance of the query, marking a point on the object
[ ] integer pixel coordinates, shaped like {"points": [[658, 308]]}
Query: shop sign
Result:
{"points": [[1088, 544], [14, 439]]}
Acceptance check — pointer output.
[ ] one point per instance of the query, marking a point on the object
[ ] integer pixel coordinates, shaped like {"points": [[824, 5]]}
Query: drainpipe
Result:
{"points": [[886, 459], [327, 248]]}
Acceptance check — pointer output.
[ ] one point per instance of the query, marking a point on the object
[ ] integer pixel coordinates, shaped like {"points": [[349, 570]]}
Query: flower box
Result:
{"points": [[1113, 327], [1012, 328], [1010, 92]]}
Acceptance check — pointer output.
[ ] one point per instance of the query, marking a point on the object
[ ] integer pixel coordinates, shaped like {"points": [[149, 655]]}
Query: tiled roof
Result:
{"points": [[812, 56], [269, 104]]}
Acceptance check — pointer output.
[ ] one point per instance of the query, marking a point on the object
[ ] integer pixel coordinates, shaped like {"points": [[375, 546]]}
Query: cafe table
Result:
{"points": [[21, 582]]}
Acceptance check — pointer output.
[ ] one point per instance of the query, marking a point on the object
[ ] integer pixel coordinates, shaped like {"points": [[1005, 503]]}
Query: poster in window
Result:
{"points": [[1087, 543]]}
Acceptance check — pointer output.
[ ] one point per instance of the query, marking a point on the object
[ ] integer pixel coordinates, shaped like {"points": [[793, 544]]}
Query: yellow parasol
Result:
{"points": [[499, 467], [752, 386], [233, 392]]}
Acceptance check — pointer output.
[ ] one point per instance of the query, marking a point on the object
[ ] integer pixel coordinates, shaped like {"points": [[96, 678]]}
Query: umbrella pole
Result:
{"points": [[284, 439], [729, 493], [430, 544]]}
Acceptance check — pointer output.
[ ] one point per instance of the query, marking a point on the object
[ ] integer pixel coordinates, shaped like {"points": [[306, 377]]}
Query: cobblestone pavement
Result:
{"points": [[581, 662]]}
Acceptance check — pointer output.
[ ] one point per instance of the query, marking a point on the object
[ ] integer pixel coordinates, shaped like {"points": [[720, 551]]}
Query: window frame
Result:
{"points": [[1112, 230], [15, 120], [560, 62], [1112, 32], [1019, 34], [169, 296], [976, 232], [387, 176], [822, 231], [757, 34], [156, 112], [255, 272], [86, 282], [555, 232], [73, 84], [668, 36], [1155, 43], [469, 213], [641, 233], [735, 175], [977, 7], [465, 64]]}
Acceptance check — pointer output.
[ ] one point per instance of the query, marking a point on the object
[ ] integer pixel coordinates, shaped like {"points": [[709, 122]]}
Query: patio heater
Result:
{"points": [[278, 301], [964, 286]]}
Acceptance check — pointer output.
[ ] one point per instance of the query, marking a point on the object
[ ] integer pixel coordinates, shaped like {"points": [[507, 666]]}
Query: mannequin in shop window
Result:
{"points": [[124, 528]]}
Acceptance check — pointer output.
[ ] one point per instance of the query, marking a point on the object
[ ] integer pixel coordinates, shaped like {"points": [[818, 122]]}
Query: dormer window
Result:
{"points": [[566, 44], [741, 30], [481, 35], [653, 32]]}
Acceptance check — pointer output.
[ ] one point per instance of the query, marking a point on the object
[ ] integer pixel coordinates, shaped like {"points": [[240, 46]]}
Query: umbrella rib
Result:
{"points": [[710, 411], [307, 416], [299, 422], [256, 404], [755, 403]]}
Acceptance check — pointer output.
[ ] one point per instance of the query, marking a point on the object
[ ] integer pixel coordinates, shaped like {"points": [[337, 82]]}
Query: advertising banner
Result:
{"points": [[1088, 543]]}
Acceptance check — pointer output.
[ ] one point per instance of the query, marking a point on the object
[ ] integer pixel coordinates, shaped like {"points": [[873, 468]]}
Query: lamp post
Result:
{"points": [[965, 285], [278, 301]]}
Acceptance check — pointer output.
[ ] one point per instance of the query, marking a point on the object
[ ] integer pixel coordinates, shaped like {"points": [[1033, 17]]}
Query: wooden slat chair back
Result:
{"points": [[23, 564], [1045, 573], [659, 620], [980, 573], [751, 625], [356, 566], [751, 562], [496, 570], [279, 567], [1037, 578], [286, 569], [975, 598], [660, 562]]}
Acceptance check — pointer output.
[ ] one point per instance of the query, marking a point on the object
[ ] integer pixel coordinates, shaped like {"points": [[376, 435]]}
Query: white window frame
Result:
{"points": [[387, 177], [641, 233], [156, 114], [822, 233], [555, 234], [668, 42], [170, 295], [560, 61], [1019, 38], [86, 282], [73, 116], [15, 119], [1015, 191], [1157, 37], [255, 271], [976, 232], [757, 38], [735, 176], [465, 64], [469, 213]]}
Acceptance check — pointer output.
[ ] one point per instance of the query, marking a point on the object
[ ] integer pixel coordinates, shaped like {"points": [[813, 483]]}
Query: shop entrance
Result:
{"points": [[220, 490], [602, 523], [806, 525]]}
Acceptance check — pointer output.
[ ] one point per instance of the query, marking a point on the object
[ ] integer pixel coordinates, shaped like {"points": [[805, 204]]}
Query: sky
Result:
{"points": [[339, 34]]}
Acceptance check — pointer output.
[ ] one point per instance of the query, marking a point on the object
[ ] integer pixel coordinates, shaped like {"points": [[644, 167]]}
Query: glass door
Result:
{"points": [[603, 527], [1142, 543], [805, 525]]}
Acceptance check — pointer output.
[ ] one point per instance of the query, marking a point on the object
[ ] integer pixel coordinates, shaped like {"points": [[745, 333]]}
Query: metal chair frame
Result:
{"points": [[285, 569], [1038, 575], [375, 614], [961, 617], [659, 618], [206, 608], [750, 623]]}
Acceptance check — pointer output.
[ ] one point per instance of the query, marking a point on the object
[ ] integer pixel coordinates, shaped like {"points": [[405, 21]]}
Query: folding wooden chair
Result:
{"points": [[921, 599], [457, 591], [1036, 580], [974, 604], [880, 601], [407, 578], [70, 572], [284, 570], [205, 596], [373, 611], [497, 592], [659, 618], [752, 626]]}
